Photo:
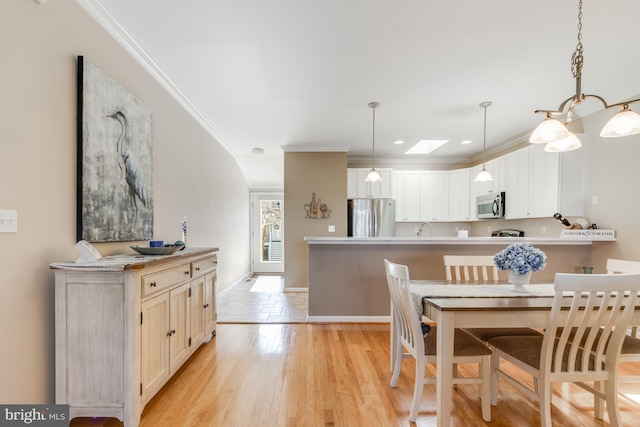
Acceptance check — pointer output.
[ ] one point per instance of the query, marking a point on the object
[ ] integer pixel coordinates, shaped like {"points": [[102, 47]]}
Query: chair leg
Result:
{"points": [[484, 371], [417, 390], [611, 396], [598, 403], [493, 380], [397, 364], [455, 375], [544, 396]]}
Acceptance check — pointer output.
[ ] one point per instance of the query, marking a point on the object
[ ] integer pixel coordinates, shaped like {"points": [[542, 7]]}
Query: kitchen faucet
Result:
{"points": [[420, 229]]}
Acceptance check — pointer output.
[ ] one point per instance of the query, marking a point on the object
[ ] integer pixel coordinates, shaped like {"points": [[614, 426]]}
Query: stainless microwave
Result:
{"points": [[490, 206]]}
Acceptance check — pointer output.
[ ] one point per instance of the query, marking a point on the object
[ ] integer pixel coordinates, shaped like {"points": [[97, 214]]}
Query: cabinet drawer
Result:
{"points": [[165, 279], [203, 266]]}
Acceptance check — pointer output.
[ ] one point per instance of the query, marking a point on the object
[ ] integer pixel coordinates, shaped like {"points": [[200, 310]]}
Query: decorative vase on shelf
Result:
{"points": [[519, 280]]}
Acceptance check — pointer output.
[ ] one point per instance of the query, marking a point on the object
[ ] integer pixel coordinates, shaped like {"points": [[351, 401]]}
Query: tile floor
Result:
{"points": [[260, 300]]}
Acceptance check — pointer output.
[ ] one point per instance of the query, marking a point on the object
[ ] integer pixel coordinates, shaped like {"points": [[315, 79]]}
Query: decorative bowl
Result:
{"points": [[163, 250]]}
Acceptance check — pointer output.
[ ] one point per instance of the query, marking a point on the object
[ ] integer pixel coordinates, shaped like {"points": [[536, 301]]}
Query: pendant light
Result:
{"points": [[484, 175], [556, 135], [373, 175]]}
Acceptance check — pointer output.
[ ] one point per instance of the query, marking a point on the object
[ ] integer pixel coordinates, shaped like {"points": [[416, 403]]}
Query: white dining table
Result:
{"points": [[476, 305]]}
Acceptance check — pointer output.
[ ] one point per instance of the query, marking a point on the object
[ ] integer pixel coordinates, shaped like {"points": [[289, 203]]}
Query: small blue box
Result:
{"points": [[156, 243]]}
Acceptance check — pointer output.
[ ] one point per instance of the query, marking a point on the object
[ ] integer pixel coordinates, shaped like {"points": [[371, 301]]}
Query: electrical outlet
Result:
{"points": [[594, 199], [332, 229], [489, 229], [544, 229]]}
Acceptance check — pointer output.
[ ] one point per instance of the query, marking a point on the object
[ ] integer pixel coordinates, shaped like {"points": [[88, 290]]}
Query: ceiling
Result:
{"points": [[294, 73]]}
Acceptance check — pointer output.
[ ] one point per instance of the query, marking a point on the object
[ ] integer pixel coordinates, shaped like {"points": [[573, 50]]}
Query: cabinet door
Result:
{"points": [[406, 191], [434, 196], [357, 188], [197, 311], [179, 324], [544, 182], [210, 303], [517, 193], [459, 195], [155, 344]]}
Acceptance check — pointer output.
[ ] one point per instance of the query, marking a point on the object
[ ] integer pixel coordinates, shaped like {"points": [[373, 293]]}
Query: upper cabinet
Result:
{"points": [[540, 184], [406, 192], [357, 188], [434, 195], [460, 195]]}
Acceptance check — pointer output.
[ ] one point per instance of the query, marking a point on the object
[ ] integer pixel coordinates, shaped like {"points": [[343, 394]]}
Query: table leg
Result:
{"points": [[444, 372]]}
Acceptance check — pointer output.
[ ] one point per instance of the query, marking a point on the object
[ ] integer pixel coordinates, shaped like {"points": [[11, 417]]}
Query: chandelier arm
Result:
{"points": [[622, 103]]}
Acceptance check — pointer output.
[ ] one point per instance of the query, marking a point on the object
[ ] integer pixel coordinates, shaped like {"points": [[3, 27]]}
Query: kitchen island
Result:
{"points": [[347, 280]]}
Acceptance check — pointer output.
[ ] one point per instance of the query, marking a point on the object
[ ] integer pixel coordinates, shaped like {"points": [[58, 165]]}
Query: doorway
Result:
{"points": [[267, 232]]}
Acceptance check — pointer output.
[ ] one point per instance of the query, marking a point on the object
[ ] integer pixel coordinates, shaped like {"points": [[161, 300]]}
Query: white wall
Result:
{"points": [[193, 175]]}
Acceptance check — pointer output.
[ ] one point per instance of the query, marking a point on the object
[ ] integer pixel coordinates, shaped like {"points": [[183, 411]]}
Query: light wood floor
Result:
{"points": [[329, 375]]}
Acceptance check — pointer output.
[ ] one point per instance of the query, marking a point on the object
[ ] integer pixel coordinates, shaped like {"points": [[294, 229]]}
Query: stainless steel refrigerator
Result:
{"points": [[371, 217]]}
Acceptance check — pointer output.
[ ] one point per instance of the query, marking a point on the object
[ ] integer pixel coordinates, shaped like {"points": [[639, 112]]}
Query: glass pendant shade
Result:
{"points": [[549, 130], [626, 122], [483, 176], [569, 143], [373, 176]]}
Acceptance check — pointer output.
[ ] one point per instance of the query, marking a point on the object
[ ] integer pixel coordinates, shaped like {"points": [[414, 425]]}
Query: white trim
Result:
{"points": [[348, 319], [242, 279], [314, 148], [302, 290], [107, 21]]}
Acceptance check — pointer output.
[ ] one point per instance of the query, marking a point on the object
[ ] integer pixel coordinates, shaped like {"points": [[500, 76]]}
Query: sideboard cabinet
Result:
{"points": [[125, 324]]}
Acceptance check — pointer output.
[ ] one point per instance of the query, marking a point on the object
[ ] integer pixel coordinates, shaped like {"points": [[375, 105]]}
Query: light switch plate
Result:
{"points": [[8, 221]]}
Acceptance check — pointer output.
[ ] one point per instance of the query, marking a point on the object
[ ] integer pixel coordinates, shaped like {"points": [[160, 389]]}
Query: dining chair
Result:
{"points": [[422, 348], [598, 309], [468, 268], [616, 266], [464, 268]]}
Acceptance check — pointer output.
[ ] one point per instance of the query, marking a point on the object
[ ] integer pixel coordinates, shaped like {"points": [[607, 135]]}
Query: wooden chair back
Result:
{"points": [[406, 322], [600, 312], [616, 266], [470, 268]]}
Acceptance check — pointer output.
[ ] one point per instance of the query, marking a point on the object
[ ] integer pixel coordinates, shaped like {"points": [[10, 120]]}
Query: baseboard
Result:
{"points": [[305, 290], [241, 279], [348, 319]]}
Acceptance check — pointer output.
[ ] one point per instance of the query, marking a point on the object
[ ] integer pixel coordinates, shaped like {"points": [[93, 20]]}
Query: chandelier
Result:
{"points": [[555, 134]]}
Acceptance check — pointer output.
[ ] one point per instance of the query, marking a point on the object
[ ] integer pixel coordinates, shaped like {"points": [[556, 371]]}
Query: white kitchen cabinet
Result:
{"points": [[517, 193], [459, 195], [125, 325], [358, 188], [406, 192], [533, 177], [434, 196]]}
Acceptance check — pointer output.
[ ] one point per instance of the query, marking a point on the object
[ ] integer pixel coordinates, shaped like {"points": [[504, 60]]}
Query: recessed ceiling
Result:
{"points": [[293, 73]]}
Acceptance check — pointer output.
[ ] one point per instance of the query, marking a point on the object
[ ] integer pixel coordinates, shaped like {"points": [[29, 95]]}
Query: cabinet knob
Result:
{"points": [[197, 268], [186, 273], [206, 305], [153, 284]]}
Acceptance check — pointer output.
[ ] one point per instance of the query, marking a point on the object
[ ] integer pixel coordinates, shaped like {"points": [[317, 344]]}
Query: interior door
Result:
{"points": [[267, 232]]}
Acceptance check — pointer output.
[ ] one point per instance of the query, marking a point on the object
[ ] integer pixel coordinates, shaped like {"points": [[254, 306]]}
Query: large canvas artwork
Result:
{"points": [[115, 160]]}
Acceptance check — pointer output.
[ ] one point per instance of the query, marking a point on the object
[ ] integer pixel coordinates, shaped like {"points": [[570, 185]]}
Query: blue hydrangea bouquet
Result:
{"points": [[521, 258]]}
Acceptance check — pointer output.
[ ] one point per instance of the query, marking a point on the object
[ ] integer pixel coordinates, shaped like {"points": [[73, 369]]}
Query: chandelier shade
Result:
{"points": [[626, 122], [569, 143]]}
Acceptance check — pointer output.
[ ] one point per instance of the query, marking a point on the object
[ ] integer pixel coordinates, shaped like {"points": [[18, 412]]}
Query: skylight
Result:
{"points": [[426, 146]]}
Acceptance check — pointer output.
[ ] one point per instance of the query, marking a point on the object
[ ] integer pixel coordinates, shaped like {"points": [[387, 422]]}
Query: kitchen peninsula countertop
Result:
{"points": [[498, 241], [347, 282]]}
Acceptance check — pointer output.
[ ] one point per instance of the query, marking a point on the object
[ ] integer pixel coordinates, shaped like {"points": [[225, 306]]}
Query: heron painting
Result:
{"points": [[115, 160]]}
